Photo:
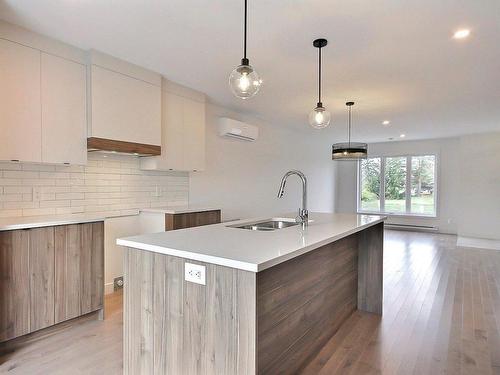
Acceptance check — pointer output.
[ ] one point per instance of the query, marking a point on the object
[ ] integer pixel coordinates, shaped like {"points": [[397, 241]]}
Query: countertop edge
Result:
{"points": [[245, 266], [226, 262]]}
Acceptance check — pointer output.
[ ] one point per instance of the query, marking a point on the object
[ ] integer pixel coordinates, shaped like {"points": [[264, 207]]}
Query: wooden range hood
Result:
{"points": [[111, 145]]}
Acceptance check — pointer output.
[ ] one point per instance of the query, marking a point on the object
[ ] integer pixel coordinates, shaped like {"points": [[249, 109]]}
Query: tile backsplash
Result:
{"points": [[109, 184]]}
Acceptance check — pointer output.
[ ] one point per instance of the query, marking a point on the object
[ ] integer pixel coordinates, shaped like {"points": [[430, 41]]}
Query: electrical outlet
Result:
{"points": [[118, 283], [194, 273]]}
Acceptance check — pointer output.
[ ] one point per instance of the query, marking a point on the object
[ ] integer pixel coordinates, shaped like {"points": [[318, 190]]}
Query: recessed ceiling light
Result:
{"points": [[402, 136], [386, 122], [461, 34]]}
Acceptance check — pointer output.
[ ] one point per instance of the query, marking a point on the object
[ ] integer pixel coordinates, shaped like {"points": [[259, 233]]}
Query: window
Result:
{"points": [[400, 185]]}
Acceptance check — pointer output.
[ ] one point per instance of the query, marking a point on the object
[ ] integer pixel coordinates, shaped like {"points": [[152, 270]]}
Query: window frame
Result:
{"points": [[408, 157]]}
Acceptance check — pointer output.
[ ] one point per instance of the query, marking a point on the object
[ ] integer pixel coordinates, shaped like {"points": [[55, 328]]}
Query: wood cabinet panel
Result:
{"points": [[49, 275], [67, 272], [41, 260], [176, 327], [302, 302], [14, 284], [79, 270], [64, 110], [192, 219], [20, 108]]}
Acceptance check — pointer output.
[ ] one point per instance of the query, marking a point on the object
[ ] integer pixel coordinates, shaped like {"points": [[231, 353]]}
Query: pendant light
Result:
{"points": [[244, 81], [319, 117], [349, 150]]}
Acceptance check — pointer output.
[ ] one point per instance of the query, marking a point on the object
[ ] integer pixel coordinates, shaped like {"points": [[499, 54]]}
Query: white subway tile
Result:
{"points": [[56, 204], [70, 196], [19, 204], [38, 167], [39, 211], [17, 190], [11, 213], [20, 174]]}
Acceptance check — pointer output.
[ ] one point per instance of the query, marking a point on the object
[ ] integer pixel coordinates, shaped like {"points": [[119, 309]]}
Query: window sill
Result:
{"points": [[392, 214]]}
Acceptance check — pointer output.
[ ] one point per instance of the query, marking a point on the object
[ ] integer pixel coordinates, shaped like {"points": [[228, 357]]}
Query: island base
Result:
{"points": [[241, 322]]}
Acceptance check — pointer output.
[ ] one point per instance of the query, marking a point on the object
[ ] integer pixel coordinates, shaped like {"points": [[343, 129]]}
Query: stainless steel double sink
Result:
{"points": [[267, 225]]}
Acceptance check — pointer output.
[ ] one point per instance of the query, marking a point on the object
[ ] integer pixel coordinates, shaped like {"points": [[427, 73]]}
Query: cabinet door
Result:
{"points": [[173, 131], [67, 272], [79, 270], [14, 284], [41, 260], [125, 108], [194, 135], [92, 267], [20, 117], [64, 116]]}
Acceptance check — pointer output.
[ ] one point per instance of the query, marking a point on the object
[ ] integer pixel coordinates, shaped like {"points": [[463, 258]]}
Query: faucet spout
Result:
{"points": [[303, 213]]}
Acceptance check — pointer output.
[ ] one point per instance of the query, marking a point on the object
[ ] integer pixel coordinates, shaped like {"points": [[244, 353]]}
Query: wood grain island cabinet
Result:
{"points": [[269, 301], [49, 275]]}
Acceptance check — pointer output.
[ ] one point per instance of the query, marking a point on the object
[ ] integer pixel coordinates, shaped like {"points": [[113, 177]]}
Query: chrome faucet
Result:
{"points": [[303, 216]]}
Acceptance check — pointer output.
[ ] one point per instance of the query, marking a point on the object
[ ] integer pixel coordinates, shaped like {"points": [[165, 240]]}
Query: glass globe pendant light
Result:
{"points": [[319, 117], [349, 150], [244, 81]]}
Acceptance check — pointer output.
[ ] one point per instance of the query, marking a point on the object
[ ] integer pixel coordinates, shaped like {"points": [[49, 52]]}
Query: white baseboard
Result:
{"points": [[481, 243]]}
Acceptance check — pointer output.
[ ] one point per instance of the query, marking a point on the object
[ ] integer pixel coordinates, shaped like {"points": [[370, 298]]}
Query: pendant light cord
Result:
{"points": [[349, 128], [245, 34], [319, 76]]}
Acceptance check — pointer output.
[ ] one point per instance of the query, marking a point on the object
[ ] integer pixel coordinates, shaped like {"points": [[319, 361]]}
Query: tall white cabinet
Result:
{"points": [[42, 106], [20, 106], [183, 131], [64, 111]]}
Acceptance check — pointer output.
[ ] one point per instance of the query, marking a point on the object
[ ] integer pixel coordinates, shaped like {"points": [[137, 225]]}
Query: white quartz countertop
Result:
{"points": [[179, 209], [251, 250], [26, 222]]}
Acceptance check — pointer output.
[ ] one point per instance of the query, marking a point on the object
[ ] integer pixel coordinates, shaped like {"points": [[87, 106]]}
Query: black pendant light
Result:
{"points": [[349, 150], [319, 117], [244, 81]]}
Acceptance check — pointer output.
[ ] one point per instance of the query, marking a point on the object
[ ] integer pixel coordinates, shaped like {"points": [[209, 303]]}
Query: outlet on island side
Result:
{"points": [[194, 273]]}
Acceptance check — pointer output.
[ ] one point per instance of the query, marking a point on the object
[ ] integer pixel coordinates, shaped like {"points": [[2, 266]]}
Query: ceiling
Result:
{"points": [[396, 59]]}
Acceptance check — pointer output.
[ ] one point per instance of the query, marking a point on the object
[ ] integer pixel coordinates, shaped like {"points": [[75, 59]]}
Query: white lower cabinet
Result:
{"points": [[183, 134], [64, 111]]}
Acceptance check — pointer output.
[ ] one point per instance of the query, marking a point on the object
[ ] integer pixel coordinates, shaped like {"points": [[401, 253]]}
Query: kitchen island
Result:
{"points": [[262, 301]]}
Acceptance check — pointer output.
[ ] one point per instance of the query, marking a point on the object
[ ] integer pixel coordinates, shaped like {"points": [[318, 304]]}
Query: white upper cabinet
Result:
{"points": [[126, 102], [64, 111], [42, 98], [20, 107], [183, 131]]}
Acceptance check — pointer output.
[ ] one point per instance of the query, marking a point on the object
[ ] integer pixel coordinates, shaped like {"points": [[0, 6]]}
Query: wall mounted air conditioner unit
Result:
{"points": [[236, 129]]}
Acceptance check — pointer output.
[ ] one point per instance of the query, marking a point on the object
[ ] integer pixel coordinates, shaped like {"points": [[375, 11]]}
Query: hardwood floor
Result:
{"points": [[441, 316]]}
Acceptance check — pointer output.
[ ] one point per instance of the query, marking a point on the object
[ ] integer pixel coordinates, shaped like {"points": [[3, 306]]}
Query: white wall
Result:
{"points": [[243, 177], [480, 186], [468, 182]]}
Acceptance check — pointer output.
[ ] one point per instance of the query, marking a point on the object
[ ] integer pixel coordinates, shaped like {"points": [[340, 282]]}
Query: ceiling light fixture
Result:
{"points": [[349, 150], [319, 117], [386, 122], [461, 34], [402, 136], [244, 81]]}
